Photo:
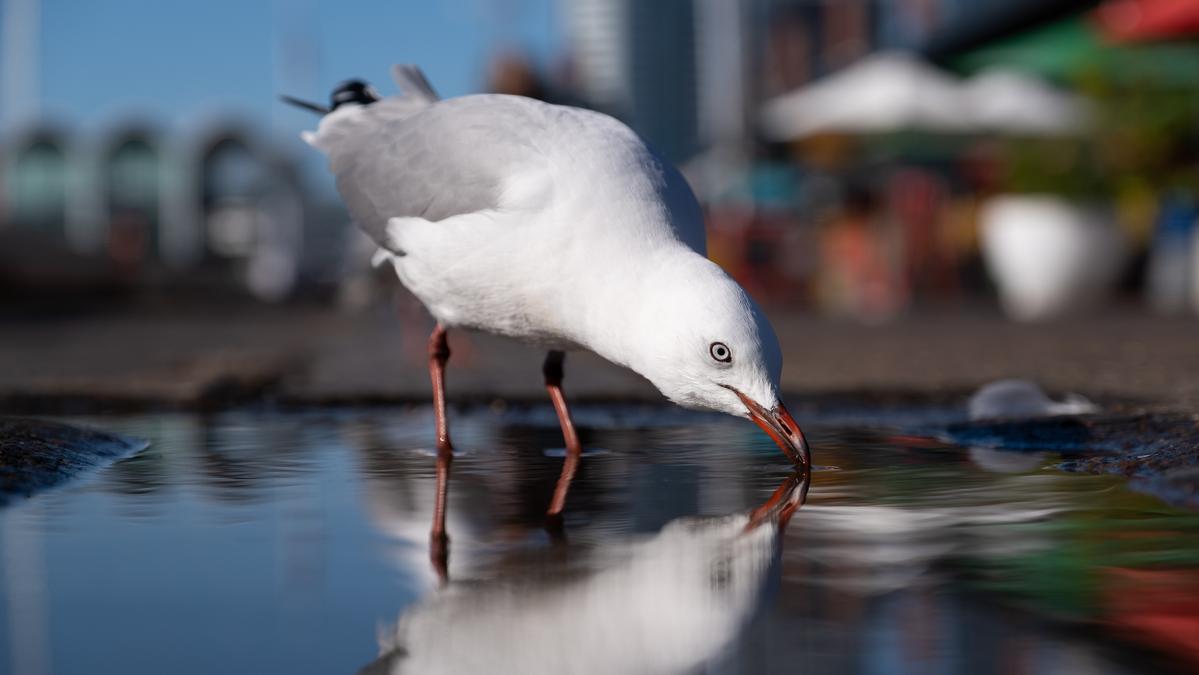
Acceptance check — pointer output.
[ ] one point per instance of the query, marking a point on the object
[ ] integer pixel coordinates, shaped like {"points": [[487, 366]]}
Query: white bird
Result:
{"points": [[1016, 398], [1022, 398], [556, 226]]}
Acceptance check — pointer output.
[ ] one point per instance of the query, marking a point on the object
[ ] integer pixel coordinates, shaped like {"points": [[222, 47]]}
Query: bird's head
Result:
{"points": [[353, 91], [712, 348]]}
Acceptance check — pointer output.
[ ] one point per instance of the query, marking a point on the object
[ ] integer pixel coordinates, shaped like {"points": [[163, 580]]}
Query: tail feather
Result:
{"points": [[413, 82]]}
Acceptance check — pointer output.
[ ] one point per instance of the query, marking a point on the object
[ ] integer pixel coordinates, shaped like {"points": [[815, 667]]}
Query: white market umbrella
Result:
{"points": [[884, 92], [1013, 102]]}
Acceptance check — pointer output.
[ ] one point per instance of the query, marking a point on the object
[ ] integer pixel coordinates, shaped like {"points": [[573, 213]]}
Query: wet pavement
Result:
{"points": [[267, 540]]}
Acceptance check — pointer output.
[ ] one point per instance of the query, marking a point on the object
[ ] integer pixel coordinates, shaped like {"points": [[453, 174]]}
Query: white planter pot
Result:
{"points": [[1049, 256]]}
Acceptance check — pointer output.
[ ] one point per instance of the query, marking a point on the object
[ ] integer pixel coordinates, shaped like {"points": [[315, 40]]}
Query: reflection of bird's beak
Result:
{"points": [[785, 501], [780, 426], [306, 105]]}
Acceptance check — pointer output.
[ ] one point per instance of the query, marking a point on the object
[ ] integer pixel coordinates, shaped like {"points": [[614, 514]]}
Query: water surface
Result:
{"points": [[297, 542]]}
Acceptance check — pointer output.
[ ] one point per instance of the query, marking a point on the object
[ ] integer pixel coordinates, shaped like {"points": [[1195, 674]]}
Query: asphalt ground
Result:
{"points": [[205, 357]]}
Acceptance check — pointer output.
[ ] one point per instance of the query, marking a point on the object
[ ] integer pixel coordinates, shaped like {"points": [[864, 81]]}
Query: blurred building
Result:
{"points": [[216, 205], [216, 208], [800, 40], [673, 70]]}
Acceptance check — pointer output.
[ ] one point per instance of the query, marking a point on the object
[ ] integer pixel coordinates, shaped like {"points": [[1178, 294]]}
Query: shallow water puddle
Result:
{"points": [[257, 541]]}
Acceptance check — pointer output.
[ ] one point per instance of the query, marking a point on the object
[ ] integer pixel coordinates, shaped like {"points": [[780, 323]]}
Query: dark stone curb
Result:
{"points": [[1158, 450], [36, 454]]}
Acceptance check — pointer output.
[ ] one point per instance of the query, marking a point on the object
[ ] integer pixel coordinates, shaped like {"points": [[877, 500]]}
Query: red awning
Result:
{"points": [[1147, 20]]}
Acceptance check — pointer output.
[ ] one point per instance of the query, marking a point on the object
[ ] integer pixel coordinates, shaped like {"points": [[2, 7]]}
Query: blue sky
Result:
{"points": [[176, 62]]}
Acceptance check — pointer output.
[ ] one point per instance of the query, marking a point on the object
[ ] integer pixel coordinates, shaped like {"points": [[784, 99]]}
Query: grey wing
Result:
{"points": [[447, 159]]}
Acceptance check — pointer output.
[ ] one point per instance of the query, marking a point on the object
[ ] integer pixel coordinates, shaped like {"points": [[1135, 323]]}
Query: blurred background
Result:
{"points": [[858, 158], [927, 195]]}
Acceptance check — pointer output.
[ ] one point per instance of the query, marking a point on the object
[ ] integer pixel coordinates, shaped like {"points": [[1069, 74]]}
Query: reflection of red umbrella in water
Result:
{"points": [[1159, 607], [1147, 20]]}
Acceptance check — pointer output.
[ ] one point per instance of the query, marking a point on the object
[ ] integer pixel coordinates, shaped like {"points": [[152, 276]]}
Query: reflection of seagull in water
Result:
{"points": [[673, 603], [1012, 399], [556, 226]]}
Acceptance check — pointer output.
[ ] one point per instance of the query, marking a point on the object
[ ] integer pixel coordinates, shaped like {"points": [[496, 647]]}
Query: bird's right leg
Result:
{"points": [[552, 369], [439, 354]]}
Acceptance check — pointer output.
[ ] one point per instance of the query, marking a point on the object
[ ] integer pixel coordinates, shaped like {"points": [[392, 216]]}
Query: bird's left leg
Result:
{"points": [[552, 369], [439, 354]]}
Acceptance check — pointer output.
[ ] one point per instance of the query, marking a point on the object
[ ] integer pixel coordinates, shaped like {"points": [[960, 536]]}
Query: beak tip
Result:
{"points": [[782, 429]]}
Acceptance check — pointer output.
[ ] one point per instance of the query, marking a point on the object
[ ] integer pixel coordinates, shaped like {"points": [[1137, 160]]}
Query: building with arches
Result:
{"points": [[134, 207]]}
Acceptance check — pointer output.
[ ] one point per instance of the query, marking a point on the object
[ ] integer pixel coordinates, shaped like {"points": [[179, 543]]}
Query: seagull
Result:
{"points": [[556, 226], [1016, 398]]}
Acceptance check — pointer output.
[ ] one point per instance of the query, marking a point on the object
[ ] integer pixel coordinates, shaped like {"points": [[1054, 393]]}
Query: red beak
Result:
{"points": [[781, 427]]}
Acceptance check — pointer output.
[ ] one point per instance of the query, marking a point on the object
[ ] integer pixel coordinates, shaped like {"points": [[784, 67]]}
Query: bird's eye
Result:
{"points": [[721, 352]]}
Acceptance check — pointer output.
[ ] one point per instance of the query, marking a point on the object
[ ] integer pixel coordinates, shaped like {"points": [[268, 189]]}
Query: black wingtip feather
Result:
{"points": [[306, 105]]}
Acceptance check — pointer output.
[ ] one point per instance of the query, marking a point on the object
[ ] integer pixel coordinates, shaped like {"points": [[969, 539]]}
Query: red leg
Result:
{"points": [[439, 354], [553, 384]]}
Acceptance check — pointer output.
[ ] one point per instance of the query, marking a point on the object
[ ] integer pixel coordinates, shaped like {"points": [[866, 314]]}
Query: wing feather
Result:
{"points": [[410, 157]]}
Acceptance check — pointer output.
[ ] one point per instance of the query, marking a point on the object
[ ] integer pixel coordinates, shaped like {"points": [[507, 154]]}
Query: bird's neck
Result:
{"points": [[632, 301]]}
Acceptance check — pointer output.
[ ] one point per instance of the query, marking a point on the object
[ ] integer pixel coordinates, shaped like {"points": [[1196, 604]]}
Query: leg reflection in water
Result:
{"points": [[439, 543], [574, 449], [669, 604]]}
